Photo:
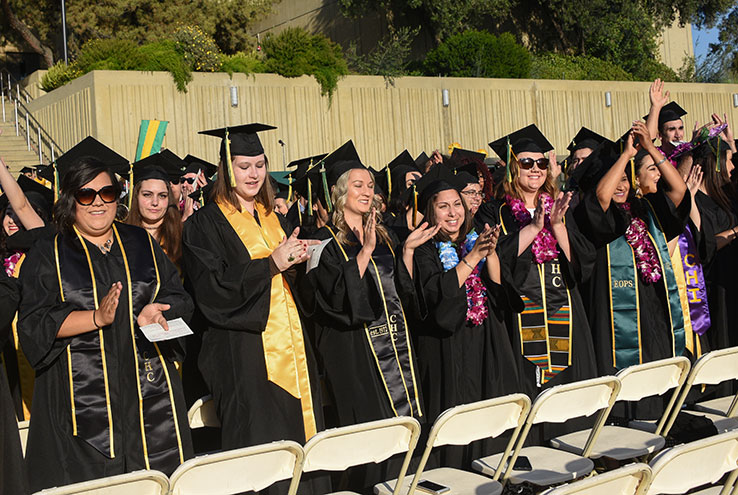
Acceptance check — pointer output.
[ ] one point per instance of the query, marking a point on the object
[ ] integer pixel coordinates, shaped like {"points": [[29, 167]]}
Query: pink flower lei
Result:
{"points": [[647, 261], [545, 248], [476, 294], [10, 262]]}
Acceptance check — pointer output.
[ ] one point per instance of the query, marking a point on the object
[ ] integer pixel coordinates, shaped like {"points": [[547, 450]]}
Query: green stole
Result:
{"points": [[625, 314]]}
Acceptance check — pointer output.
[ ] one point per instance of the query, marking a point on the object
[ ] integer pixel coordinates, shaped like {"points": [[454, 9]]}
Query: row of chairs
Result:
{"points": [[255, 468]]}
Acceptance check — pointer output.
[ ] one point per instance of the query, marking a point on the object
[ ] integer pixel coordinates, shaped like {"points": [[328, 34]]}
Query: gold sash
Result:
{"points": [[284, 346], [26, 373]]}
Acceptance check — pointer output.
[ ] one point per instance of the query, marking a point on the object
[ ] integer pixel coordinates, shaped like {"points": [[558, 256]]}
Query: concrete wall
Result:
{"points": [[675, 44], [381, 120]]}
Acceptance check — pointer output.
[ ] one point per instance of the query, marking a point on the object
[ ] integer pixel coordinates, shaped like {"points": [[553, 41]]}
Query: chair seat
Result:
{"points": [[713, 490], [460, 482], [614, 442], [715, 406], [550, 466]]}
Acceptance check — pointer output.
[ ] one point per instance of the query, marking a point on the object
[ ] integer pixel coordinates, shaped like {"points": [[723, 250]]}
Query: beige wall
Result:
{"points": [[381, 120], [675, 44]]}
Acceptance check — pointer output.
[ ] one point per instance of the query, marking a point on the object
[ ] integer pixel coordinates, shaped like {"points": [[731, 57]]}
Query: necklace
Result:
{"points": [[105, 247]]}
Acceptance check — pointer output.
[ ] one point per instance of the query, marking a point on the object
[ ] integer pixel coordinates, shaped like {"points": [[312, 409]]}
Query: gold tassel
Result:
{"points": [[415, 206], [229, 165]]}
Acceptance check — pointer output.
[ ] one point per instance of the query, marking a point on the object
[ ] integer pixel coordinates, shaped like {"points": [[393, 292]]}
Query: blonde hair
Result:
{"points": [[338, 198], [513, 188]]}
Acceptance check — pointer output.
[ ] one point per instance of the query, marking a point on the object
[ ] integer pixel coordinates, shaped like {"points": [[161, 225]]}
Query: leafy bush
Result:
{"points": [[58, 75], [571, 67], [112, 54], [246, 63], [198, 49], [295, 52], [479, 54], [164, 56]]}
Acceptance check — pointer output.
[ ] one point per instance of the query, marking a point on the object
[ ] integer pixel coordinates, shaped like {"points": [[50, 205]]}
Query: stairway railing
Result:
{"points": [[37, 139]]}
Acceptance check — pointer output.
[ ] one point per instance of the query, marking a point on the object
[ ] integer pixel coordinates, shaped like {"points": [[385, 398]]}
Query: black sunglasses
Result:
{"points": [[86, 196], [188, 180], [527, 163]]}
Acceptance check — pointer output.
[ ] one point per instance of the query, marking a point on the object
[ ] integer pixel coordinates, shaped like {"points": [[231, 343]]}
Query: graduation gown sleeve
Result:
{"points": [[231, 289]]}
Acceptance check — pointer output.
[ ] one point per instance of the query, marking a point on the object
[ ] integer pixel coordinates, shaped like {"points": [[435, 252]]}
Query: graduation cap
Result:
{"points": [[670, 111], [421, 159], [202, 195], [382, 181], [585, 138], [397, 169], [238, 140], [301, 167], [528, 139], [333, 166], [164, 165], [588, 173], [194, 164], [467, 161], [282, 185], [464, 178], [26, 170], [40, 196], [439, 178]]}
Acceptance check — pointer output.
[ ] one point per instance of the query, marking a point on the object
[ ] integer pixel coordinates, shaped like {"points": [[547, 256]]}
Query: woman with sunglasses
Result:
{"points": [[636, 314], [256, 358], [106, 401], [547, 258]]}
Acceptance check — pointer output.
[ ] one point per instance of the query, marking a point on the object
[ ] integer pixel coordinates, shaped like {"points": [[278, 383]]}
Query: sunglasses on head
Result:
{"points": [[86, 196], [527, 163]]}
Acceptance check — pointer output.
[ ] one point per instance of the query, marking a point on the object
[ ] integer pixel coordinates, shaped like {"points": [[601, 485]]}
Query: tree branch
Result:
{"points": [[19, 27]]}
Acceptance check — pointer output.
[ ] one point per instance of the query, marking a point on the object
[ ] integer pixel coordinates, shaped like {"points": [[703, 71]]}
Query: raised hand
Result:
{"points": [[553, 166], [559, 208], [539, 217], [493, 238], [153, 313], [370, 233], [656, 94], [422, 234], [104, 315], [483, 245], [694, 179], [640, 132]]}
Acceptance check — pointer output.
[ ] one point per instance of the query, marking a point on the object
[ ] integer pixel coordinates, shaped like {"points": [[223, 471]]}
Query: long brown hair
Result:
{"points": [[170, 230], [430, 217], [224, 193], [716, 182], [338, 198], [513, 188]]}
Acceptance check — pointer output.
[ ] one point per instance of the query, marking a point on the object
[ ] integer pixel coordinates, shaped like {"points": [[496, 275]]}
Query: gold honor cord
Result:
{"points": [[389, 181], [130, 185], [633, 174], [289, 190]]}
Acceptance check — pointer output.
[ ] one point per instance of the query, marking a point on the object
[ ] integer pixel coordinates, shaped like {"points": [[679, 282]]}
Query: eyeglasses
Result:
{"points": [[527, 163], [473, 194], [86, 196]]}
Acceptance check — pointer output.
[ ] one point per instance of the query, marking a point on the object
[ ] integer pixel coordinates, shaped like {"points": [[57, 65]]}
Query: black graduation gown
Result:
{"points": [[343, 303], [397, 223], [459, 363], [54, 456], [12, 469], [602, 228], [233, 293], [520, 269]]}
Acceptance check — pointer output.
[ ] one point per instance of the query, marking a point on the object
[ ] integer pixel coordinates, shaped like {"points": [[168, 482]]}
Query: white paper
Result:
{"points": [[156, 333]]}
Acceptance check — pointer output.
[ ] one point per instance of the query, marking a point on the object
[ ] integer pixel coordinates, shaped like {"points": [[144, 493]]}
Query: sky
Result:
{"points": [[702, 40]]}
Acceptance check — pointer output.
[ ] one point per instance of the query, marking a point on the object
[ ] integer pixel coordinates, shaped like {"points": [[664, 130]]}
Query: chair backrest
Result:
{"points": [[338, 449], [687, 466], [23, 432], [138, 482], [654, 378], [710, 369], [572, 400], [240, 470], [202, 413], [632, 479], [466, 423]]}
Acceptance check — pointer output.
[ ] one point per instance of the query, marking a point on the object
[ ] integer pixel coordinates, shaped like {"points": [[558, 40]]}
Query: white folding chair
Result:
{"points": [[557, 405], [462, 425], [338, 449], [637, 382], [240, 470], [23, 432], [138, 482], [632, 479], [202, 413], [710, 369], [682, 468]]}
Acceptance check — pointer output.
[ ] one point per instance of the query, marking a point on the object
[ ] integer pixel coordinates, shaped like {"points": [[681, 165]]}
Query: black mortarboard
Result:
{"points": [[164, 165], [89, 146], [382, 181], [40, 196], [421, 160], [26, 170], [282, 184], [301, 166], [341, 161], [585, 138], [242, 140], [194, 164], [670, 111], [202, 195], [464, 178], [397, 169], [528, 138], [439, 178], [588, 173]]}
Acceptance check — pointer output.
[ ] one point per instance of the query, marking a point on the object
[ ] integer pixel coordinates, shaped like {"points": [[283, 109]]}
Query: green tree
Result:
{"points": [[390, 58]]}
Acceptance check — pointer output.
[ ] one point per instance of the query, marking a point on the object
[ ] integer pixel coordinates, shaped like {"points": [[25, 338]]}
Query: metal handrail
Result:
{"points": [[25, 122]]}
